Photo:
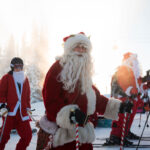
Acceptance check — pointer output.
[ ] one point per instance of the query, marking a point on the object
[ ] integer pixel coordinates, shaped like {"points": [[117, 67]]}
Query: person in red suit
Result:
{"points": [[15, 96], [126, 84], [146, 87], [70, 97]]}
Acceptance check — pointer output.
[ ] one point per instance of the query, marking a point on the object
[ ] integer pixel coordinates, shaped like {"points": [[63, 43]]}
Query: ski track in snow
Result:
{"points": [[100, 132]]}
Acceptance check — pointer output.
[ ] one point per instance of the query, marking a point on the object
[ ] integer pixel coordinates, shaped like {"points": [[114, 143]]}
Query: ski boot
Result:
{"points": [[132, 136], [114, 140], [127, 142]]}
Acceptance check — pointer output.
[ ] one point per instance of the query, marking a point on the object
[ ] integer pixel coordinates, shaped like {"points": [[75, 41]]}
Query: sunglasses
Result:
{"points": [[18, 67]]}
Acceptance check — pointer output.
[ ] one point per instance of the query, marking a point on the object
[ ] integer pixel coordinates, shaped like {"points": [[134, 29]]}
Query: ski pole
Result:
{"points": [[143, 131], [3, 128], [76, 128], [3, 114], [77, 136], [123, 131], [140, 120], [127, 122], [147, 121], [124, 127]]}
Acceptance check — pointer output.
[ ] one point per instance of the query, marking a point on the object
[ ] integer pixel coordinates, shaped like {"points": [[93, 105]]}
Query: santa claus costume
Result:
{"points": [[126, 82], [68, 86], [15, 95]]}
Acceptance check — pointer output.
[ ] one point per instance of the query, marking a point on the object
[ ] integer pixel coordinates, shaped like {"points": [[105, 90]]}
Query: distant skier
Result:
{"points": [[126, 82], [15, 104], [71, 98]]}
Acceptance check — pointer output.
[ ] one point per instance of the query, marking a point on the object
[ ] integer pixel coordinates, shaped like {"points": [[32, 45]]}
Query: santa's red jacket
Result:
{"points": [[8, 94], [58, 103]]}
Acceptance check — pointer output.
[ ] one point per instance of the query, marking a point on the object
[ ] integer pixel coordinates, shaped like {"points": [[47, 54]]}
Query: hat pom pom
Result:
{"points": [[65, 38], [82, 33]]}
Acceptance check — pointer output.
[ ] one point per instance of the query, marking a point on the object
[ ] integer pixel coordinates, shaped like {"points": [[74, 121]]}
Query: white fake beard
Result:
{"points": [[19, 76], [134, 65], [76, 67]]}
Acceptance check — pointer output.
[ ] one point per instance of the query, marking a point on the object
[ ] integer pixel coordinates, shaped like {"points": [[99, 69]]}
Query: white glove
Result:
{"points": [[29, 112], [4, 112]]}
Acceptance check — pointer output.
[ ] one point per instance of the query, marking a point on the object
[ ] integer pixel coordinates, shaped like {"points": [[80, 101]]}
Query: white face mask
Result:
{"points": [[19, 76]]}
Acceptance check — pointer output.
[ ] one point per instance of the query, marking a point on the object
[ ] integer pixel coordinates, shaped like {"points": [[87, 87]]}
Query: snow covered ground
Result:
{"points": [[100, 132]]}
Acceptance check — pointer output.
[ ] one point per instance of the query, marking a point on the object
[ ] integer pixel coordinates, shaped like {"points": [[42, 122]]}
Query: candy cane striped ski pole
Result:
{"points": [[77, 136], [76, 128], [123, 131]]}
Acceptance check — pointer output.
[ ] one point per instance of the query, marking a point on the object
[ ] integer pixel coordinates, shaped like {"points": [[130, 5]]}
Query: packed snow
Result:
{"points": [[100, 132]]}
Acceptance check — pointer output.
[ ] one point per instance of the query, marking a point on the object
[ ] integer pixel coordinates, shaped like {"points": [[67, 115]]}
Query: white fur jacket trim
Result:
{"points": [[63, 117], [91, 97], [112, 109], [63, 136]]}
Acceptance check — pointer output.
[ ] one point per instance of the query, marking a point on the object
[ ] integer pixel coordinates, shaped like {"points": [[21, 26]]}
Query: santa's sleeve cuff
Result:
{"points": [[63, 117], [112, 109]]}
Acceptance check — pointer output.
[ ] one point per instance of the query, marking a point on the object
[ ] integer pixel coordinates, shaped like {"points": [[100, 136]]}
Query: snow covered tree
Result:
{"points": [[34, 76]]}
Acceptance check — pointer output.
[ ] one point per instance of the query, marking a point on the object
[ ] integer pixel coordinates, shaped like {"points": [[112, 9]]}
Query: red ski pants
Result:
{"points": [[23, 128], [117, 125]]}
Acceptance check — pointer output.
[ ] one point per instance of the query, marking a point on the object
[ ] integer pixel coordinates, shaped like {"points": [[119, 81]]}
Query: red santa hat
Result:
{"points": [[71, 41], [128, 55]]}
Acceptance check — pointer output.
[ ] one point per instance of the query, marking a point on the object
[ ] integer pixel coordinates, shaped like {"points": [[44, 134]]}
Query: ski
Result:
{"points": [[143, 139], [96, 145]]}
